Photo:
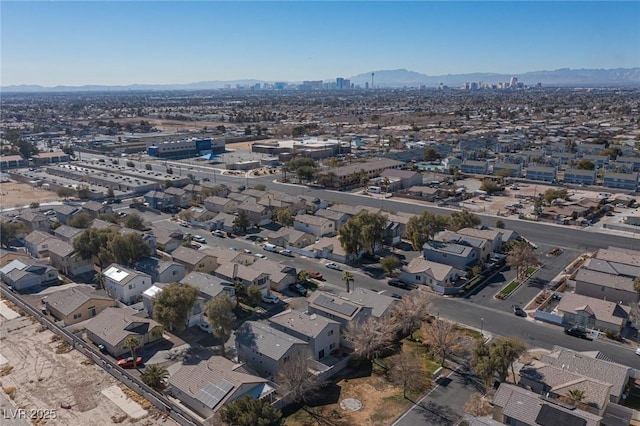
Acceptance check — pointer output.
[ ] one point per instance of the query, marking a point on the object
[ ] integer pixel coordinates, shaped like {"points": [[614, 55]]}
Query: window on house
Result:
{"points": [[330, 333], [130, 286], [331, 346], [76, 316], [175, 273]]}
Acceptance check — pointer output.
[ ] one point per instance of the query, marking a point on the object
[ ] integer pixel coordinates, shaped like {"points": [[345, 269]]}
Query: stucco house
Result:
{"points": [[322, 334], [600, 285], [124, 284], [26, 273], [577, 309], [112, 326], [76, 304], [195, 260], [444, 279]]}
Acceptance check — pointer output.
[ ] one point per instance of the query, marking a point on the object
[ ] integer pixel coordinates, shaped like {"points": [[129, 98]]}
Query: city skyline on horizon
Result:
{"points": [[107, 43]]}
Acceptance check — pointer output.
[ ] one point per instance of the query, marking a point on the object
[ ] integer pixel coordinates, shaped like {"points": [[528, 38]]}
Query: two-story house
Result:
{"points": [[233, 272], [37, 243], [337, 308], [34, 221], [457, 255], [315, 225], [440, 277], [220, 205], [124, 284], [321, 334], [67, 260], [195, 260], [76, 304]]}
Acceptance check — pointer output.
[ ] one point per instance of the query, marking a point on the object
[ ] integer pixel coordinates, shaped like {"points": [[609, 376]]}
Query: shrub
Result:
{"points": [[130, 164], [148, 166]]}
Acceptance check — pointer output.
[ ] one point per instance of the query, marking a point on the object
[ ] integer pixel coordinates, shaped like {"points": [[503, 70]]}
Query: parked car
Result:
{"points": [[333, 266], [206, 327], [638, 351], [260, 256], [199, 239], [247, 251], [195, 245], [299, 289], [286, 252], [270, 298], [218, 233], [518, 311], [102, 348], [128, 362], [50, 213], [577, 332], [399, 284], [122, 214], [315, 275]]}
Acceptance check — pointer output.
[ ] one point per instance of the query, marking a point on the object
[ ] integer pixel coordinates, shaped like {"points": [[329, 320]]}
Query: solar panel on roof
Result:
{"points": [[211, 395], [551, 416], [344, 309]]}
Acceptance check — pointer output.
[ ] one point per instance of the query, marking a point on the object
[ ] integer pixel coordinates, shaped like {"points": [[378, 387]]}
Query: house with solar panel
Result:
{"points": [[337, 308], [125, 285], [209, 385]]}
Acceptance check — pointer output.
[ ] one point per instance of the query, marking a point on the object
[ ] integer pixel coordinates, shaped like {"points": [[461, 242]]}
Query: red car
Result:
{"points": [[315, 275], [128, 362]]}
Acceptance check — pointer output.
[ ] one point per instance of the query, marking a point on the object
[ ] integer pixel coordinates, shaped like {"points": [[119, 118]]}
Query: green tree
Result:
{"points": [[132, 343], [81, 220], [303, 168], [247, 411], [613, 153], [585, 164], [283, 216], [364, 231], [220, 315], [172, 306], [34, 205], [489, 186], [636, 284], [504, 351], [134, 221], [463, 219], [9, 231], [499, 224], [553, 193], [303, 276], [260, 187], [110, 194], [481, 361], [347, 277], [430, 154], [241, 221], [98, 279], [155, 376], [109, 217], [65, 192], [26, 148], [504, 173], [84, 193], [423, 228], [254, 295], [389, 263]]}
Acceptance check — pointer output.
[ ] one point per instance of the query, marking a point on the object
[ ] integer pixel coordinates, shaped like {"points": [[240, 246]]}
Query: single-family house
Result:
{"points": [[288, 237], [26, 273], [444, 279], [380, 304], [426, 193], [233, 272], [594, 365], [224, 222], [195, 260], [37, 243], [407, 178], [67, 260], [76, 304], [338, 218], [457, 255], [180, 197], [124, 284], [67, 233], [209, 385], [493, 236], [265, 349], [586, 311], [337, 308], [321, 334], [95, 209], [161, 271], [541, 173], [315, 225], [220, 204], [65, 213], [167, 240], [113, 326], [34, 221], [513, 405], [621, 261], [482, 246], [280, 274], [159, 200], [210, 286], [199, 215], [600, 285], [258, 215]]}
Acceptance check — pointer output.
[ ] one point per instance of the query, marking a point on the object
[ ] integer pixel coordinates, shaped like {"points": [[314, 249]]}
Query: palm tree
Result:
{"points": [[303, 276], [98, 279], [132, 343], [575, 397], [348, 279], [155, 376]]}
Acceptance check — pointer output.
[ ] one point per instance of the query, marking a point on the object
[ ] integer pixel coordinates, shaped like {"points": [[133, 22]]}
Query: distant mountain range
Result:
{"points": [[394, 78]]}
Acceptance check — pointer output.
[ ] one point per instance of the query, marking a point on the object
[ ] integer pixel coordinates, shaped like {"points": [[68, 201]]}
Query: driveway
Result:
{"points": [[444, 405]]}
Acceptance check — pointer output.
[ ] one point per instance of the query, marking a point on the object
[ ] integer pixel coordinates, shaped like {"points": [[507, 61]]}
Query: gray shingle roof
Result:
{"points": [[68, 300], [307, 325], [265, 339], [113, 325]]}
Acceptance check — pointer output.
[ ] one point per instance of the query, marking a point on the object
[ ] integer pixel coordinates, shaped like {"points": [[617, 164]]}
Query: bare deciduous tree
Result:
{"points": [[522, 257], [411, 312], [296, 378], [406, 370], [443, 337], [477, 405], [371, 337]]}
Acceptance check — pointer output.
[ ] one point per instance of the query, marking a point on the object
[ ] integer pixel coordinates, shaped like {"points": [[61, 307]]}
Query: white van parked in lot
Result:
{"points": [[270, 247]]}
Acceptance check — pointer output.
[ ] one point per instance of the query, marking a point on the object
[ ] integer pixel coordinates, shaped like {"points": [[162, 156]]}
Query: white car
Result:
{"points": [[260, 256], [199, 239], [638, 351], [50, 213], [206, 327], [247, 251], [333, 266], [286, 252], [270, 298]]}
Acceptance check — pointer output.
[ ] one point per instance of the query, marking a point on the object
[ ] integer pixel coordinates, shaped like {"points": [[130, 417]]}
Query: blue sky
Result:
{"points": [[91, 42]]}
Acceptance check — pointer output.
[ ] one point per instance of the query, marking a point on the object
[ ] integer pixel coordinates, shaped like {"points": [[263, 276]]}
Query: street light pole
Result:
{"points": [[482, 326]]}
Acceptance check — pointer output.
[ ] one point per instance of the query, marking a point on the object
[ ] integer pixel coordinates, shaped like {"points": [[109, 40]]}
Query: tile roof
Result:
{"points": [[609, 312], [438, 271], [307, 325], [113, 325], [334, 305], [618, 255], [68, 300], [192, 379], [312, 220], [265, 339], [605, 280], [37, 237], [188, 255], [379, 303]]}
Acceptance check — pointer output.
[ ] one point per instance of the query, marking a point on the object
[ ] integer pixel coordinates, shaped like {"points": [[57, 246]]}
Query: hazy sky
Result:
{"points": [[116, 42]]}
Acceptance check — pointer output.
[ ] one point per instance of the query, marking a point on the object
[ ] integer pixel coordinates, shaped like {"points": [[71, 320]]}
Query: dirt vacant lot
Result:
{"points": [[15, 194], [39, 372]]}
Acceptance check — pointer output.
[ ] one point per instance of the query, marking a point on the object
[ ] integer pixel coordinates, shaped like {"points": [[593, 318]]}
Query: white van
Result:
{"points": [[270, 247]]}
